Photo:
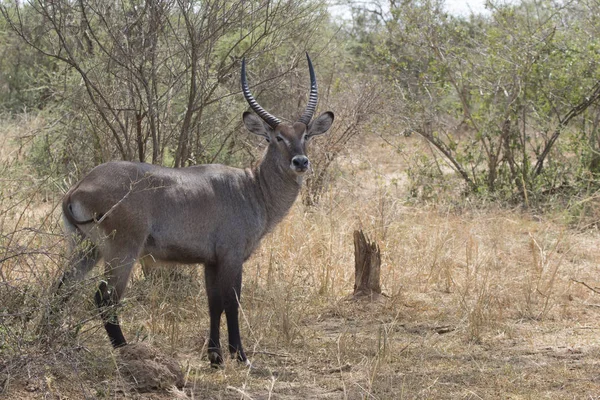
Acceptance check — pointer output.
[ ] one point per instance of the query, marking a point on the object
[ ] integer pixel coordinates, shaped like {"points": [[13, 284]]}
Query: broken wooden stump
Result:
{"points": [[367, 264]]}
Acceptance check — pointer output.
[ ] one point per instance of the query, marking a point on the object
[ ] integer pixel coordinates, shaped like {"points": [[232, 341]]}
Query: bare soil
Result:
{"points": [[479, 303]]}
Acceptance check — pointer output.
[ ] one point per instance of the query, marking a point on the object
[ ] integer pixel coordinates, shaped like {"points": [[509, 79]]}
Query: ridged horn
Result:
{"points": [[261, 112], [312, 99]]}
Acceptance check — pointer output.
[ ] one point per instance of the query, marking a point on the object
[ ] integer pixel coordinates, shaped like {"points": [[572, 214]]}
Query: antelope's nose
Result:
{"points": [[300, 163]]}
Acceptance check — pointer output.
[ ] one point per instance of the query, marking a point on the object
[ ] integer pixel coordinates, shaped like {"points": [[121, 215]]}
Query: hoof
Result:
{"points": [[246, 363], [215, 358], [241, 358]]}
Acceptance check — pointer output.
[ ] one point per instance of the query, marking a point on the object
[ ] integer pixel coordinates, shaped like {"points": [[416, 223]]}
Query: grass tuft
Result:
{"points": [[481, 302]]}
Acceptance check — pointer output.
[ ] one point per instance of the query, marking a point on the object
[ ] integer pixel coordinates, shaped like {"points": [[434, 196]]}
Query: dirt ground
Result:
{"points": [[479, 303]]}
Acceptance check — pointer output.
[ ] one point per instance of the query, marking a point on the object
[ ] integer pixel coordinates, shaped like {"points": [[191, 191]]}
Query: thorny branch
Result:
{"points": [[595, 290]]}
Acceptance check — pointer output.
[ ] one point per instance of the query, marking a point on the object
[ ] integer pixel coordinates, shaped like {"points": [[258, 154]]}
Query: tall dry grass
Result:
{"points": [[470, 292]]}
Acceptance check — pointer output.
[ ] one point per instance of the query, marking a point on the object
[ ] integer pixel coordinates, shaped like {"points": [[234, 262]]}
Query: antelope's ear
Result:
{"points": [[256, 125], [320, 125]]}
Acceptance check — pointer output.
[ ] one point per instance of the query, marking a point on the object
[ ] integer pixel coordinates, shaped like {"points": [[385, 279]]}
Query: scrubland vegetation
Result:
{"points": [[466, 147]]}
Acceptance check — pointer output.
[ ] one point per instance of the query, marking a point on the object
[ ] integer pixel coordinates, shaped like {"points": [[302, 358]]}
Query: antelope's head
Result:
{"points": [[288, 140]]}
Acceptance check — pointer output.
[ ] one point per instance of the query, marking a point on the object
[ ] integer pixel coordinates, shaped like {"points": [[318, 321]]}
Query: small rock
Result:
{"points": [[148, 369]]}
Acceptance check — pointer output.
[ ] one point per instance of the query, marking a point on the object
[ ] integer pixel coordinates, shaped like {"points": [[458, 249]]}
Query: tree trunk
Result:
{"points": [[367, 264]]}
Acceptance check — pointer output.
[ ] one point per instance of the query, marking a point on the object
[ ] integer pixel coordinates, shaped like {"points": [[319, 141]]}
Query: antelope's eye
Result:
{"points": [[279, 138]]}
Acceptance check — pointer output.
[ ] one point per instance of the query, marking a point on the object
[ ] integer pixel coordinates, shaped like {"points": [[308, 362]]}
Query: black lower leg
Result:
{"points": [[233, 327], [214, 346], [235, 340], [113, 329], [105, 303], [215, 308]]}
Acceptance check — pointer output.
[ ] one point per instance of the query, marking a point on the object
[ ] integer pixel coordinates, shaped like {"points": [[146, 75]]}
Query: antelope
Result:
{"points": [[211, 214]]}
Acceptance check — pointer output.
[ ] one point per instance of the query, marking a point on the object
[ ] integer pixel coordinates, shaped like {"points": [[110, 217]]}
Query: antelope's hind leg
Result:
{"points": [[82, 257], [109, 294]]}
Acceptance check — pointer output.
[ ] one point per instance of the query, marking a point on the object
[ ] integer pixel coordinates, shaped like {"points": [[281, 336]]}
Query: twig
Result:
{"points": [[586, 285], [344, 368], [240, 391], [268, 353], [440, 330], [116, 204]]}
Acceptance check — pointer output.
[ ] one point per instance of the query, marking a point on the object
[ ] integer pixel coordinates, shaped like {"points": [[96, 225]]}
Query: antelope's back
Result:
{"points": [[185, 215]]}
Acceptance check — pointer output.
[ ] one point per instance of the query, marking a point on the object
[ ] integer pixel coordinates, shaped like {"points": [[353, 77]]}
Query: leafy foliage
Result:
{"points": [[494, 93], [509, 99], [154, 81]]}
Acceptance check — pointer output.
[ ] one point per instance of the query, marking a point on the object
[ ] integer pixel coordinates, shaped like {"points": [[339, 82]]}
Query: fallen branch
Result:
{"points": [[344, 368], [268, 353], [586, 285]]}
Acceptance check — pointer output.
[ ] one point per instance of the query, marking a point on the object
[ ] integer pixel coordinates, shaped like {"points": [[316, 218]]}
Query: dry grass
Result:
{"points": [[482, 303]]}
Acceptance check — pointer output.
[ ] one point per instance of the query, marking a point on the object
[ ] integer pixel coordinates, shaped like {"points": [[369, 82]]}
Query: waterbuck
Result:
{"points": [[210, 214]]}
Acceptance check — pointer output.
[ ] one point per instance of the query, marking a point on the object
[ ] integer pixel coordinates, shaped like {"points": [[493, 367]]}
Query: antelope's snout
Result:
{"points": [[300, 164]]}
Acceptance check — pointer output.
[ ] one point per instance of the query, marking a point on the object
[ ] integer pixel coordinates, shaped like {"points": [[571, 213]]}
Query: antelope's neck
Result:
{"points": [[278, 187]]}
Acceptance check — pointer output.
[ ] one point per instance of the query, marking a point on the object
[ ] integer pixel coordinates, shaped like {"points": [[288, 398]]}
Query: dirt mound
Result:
{"points": [[148, 369]]}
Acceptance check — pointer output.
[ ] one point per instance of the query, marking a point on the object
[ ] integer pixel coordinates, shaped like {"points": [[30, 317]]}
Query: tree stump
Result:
{"points": [[367, 264]]}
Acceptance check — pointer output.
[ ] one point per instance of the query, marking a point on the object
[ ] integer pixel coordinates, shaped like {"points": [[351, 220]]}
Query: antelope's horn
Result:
{"points": [[261, 112], [312, 100]]}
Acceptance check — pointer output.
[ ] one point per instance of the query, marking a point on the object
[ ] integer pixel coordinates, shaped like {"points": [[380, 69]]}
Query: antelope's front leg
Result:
{"points": [[232, 298], [223, 285], [215, 309]]}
